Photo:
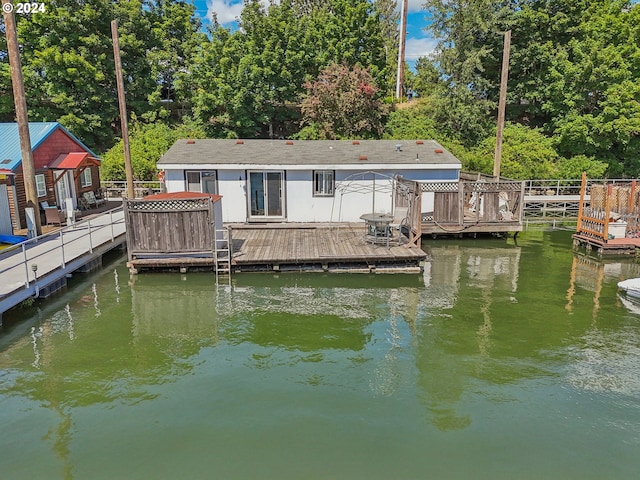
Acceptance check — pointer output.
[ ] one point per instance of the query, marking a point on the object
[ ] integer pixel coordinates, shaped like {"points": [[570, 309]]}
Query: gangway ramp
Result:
{"points": [[40, 266]]}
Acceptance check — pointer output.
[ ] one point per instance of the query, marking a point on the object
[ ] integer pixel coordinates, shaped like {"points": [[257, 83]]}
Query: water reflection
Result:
{"points": [[592, 274], [484, 328], [455, 342]]}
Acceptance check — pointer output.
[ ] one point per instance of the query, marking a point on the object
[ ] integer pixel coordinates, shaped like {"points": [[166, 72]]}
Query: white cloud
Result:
{"points": [[419, 47], [413, 5], [227, 10]]}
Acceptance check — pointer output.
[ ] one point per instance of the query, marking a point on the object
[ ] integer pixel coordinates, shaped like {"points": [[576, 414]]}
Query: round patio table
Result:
{"points": [[378, 230]]}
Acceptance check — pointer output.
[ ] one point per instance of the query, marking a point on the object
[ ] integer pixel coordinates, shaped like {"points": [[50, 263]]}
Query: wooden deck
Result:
{"points": [[318, 247], [613, 246]]}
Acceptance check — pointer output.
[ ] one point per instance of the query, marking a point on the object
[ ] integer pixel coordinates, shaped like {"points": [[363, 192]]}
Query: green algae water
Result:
{"points": [[505, 360]]}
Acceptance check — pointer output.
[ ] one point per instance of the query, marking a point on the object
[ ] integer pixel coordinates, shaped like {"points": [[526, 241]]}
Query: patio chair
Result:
{"points": [[91, 199], [53, 216], [400, 220]]}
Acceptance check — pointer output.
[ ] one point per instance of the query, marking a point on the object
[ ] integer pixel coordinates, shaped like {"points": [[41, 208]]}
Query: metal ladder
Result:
{"points": [[222, 253]]}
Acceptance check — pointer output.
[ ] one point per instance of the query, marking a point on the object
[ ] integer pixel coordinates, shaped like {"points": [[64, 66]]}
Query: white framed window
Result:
{"points": [[323, 183], [41, 185], [85, 178], [202, 181]]}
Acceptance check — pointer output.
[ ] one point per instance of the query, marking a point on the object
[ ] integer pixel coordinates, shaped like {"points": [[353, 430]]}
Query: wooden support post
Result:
{"points": [[607, 210], [401, 49], [123, 111], [461, 204], [583, 189], [502, 103]]}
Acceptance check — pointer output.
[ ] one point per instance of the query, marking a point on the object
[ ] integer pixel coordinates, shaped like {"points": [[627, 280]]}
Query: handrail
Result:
{"points": [[83, 230], [112, 189], [565, 186]]}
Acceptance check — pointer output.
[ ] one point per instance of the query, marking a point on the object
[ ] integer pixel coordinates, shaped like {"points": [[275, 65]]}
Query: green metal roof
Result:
{"points": [[10, 153]]}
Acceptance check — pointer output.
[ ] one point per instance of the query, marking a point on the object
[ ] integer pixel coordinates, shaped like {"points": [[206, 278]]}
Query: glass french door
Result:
{"points": [[64, 188], [266, 194]]}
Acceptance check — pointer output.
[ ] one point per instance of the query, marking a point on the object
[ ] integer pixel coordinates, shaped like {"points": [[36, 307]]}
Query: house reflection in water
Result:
{"points": [[454, 342]]}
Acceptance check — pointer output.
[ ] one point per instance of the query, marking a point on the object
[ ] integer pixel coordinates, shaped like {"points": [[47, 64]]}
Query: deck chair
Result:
{"points": [[399, 221], [91, 199], [53, 216]]}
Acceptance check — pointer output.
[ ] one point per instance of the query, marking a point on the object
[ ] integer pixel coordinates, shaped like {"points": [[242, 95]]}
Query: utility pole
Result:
{"points": [[123, 110], [502, 103], [401, 49], [22, 118]]}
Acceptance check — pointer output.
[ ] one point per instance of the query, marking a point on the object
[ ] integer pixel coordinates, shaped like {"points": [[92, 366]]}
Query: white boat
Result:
{"points": [[631, 287]]}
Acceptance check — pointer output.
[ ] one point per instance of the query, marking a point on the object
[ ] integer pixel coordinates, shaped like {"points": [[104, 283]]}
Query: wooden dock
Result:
{"points": [[318, 247], [308, 247], [612, 246]]}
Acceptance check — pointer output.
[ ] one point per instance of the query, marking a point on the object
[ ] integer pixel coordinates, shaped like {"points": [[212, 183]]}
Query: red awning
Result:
{"points": [[71, 161]]}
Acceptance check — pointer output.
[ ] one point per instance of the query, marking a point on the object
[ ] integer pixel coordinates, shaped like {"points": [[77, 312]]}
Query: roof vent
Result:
{"points": [[190, 142], [363, 157], [398, 147], [5, 161], [419, 142], [288, 142], [239, 142], [355, 142], [439, 150]]}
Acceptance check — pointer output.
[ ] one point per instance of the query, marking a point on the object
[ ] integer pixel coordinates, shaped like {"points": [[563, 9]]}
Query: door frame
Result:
{"points": [[69, 183], [266, 218]]}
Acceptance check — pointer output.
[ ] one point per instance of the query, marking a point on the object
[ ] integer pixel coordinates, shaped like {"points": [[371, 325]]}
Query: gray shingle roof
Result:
{"points": [[307, 152]]}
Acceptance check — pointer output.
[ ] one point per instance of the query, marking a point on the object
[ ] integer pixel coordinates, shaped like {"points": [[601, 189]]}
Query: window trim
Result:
{"points": [[210, 173], [41, 192], [83, 175], [315, 179]]}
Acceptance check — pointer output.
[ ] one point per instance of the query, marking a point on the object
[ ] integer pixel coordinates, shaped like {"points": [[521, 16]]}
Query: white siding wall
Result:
{"points": [[232, 186], [301, 206]]}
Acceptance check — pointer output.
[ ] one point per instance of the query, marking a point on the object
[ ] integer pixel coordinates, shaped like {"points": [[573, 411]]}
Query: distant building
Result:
{"points": [[64, 167], [305, 181]]}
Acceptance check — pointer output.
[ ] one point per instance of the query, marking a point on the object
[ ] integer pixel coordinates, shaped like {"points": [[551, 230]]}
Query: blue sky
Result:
{"points": [[418, 42]]}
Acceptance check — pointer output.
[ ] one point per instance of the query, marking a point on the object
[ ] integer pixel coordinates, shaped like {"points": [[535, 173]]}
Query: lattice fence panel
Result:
{"points": [[439, 187], [493, 186], [598, 196], [169, 205]]}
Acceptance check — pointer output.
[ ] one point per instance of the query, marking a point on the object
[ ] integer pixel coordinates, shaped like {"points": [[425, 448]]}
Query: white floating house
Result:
{"points": [[304, 181]]}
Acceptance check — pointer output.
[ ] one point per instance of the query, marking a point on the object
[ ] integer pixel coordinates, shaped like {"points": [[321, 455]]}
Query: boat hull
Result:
{"points": [[631, 287]]}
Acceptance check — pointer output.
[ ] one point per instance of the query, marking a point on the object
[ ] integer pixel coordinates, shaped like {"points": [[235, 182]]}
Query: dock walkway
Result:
{"points": [[39, 266]]}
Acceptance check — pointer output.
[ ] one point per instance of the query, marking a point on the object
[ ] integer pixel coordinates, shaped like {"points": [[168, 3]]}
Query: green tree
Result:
{"points": [[148, 142], [6, 89], [389, 18], [344, 103], [250, 81], [413, 121], [67, 58], [573, 72], [526, 153]]}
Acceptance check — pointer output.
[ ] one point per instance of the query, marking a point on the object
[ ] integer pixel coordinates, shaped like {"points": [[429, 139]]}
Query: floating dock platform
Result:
{"points": [[297, 247], [612, 246], [319, 247]]}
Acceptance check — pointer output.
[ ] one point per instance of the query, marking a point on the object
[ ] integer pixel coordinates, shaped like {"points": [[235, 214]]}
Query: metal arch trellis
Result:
{"points": [[369, 182]]}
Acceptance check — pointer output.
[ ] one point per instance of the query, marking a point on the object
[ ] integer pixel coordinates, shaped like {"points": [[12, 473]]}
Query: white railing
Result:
{"points": [[118, 189], [23, 264], [565, 186]]}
